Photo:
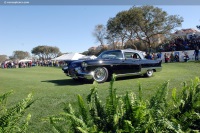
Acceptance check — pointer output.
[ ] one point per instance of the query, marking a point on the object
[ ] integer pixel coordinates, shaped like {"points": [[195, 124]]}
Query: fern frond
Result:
{"points": [[24, 126], [92, 92], [3, 100], [159, 100], [54, 122], [13, 114], [84, 112], [10, 118], [173, 127], [128, 127], [82, 130], [140, 92], [128, 107], [111, 99], [75, 121]]}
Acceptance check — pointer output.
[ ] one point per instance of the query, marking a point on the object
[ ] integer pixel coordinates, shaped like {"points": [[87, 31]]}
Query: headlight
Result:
{"points": [[84, 64], [65, 68], [78, 69]]}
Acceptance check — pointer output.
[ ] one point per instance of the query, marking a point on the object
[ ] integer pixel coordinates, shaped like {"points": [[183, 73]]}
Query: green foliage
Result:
{"points": [[11, 117], [3, 58], [187, 105], [198, 26], [18, 54], [144, 23], [129, 114], [46, 52]]}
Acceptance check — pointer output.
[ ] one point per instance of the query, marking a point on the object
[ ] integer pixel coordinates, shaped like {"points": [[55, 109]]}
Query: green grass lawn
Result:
{"points": [[51, 88]]}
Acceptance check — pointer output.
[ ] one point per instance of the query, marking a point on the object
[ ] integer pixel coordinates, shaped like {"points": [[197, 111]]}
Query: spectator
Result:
{"points": [[154, 56], [176, 58], [166, 56], [196, 53], [159, 55], [171, 57], [148, 56], [134, 56], [186, 57], [2, 64]]}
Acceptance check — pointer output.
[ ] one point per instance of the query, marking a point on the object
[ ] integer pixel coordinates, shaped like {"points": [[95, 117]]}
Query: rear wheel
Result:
{"points": [[149, 73], [101, 74]]}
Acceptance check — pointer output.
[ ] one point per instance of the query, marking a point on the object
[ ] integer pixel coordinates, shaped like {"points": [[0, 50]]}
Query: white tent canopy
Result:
{"points": [[88, 57], [25, 60], [70, 56]]}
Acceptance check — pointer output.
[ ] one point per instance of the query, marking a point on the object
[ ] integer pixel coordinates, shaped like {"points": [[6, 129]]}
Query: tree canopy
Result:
{"points": [[198, 26], [144, 23], [18, 54], [46, 52], [3, 58], [100, 33]]}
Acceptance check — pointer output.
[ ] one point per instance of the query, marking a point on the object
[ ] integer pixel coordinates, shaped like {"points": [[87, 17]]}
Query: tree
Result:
{"points": [[145, 23], [117, 30], [154, 22], [18, 54], [46, 52], [100, 33], [3, 58], [135, 43], [92, 52], [198, 26]]}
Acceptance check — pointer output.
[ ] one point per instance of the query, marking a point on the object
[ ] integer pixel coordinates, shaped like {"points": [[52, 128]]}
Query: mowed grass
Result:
{"points": [[51, 88]]}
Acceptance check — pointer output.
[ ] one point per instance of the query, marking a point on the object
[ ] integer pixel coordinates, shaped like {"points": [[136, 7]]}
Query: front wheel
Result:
{"points": [[149, 73], [100, 74]]}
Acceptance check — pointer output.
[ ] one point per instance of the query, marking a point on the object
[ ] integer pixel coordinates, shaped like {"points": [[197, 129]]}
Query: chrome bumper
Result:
{"points": [[77, 73]]}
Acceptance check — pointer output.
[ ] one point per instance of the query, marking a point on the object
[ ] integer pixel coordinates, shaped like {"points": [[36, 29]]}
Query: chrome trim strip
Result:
{"points": [[85, 75], [143, 71], [128, 74]]}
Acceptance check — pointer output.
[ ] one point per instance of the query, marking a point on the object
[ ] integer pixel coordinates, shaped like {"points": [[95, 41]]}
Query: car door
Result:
{"points": [[131, 64], [126, 65]]}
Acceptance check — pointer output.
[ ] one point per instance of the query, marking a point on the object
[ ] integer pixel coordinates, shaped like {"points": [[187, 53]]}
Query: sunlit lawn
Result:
{"points": [[51, 88]]}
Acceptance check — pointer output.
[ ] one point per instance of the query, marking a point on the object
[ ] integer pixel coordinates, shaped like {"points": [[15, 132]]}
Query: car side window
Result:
{"points": [[112, 55], [131, 55]]}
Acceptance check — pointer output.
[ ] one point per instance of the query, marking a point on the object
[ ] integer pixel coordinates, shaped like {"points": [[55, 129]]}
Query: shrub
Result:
{"points": [[11, 118], [131, 114]]}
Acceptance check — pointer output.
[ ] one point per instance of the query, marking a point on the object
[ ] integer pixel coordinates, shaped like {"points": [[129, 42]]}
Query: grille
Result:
{"points": [[74, 65], [71, 72]]}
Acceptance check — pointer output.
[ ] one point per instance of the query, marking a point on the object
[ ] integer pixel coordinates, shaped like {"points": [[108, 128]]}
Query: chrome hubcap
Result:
{"points": [[99, 74], [149, 72]]}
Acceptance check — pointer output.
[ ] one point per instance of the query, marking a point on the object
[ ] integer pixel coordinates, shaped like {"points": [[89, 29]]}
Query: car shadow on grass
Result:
{"points": [[62, 82]]}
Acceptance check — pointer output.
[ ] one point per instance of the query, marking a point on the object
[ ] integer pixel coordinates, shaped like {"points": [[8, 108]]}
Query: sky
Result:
{"points": [[68, 27]]}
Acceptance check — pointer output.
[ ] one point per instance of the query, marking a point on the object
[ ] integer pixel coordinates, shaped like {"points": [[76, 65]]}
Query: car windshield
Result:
{"points": [[111, 55]]}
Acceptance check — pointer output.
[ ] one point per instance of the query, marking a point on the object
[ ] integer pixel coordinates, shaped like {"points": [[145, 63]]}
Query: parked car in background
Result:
{"points": [[122, 63]]}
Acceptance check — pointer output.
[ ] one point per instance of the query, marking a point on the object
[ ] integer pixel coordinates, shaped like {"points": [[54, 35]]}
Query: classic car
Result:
{"points": [[127, 62]]}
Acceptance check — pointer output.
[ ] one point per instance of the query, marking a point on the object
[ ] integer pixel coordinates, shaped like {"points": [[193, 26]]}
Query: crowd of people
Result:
{"points": [[153, 56], [180, 44], [49, 63], [12, 64], [173, 56], [28, 64]]}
